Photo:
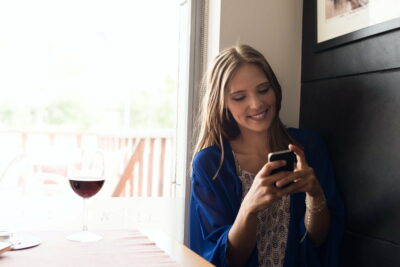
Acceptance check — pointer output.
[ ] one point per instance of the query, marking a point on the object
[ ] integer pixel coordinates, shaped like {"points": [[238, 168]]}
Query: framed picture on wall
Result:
{"points": [[343, 21]]}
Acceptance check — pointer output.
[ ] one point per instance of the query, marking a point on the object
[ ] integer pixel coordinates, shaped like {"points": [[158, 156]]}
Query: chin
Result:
{"points": [[257, 128]]}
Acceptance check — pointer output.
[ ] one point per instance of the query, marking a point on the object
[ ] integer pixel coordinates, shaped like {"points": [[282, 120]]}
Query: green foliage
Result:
{"points": [[7, 114], [154, 109], [69, 112], [142, 109]]}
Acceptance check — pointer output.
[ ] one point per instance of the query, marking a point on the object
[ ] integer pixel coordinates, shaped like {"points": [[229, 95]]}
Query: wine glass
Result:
{"points": [[86, 177]]}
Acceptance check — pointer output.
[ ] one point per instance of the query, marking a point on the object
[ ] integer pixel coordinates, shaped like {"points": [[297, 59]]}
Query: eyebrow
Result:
{"points": [[267, 83]]}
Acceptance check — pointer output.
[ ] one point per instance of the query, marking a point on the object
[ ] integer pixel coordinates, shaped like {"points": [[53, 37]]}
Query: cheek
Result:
{"points": [[273, 113], [235, 113], [270, 99], [234, 108], [238, 113]]}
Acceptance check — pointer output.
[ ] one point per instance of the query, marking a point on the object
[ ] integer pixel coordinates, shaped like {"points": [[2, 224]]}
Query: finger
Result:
{"points": [[280, 176], [291, 177], [287, 180], [270, 166], [299, 155], [292, 188], [299, 183]]}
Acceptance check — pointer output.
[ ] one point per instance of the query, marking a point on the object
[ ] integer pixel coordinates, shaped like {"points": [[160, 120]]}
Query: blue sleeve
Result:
{"points": [[214, 205], [319, 159], [210, 221]]}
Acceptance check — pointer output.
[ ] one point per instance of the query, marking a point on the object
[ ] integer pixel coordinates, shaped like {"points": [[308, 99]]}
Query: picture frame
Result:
{"points": [[339, 22]]}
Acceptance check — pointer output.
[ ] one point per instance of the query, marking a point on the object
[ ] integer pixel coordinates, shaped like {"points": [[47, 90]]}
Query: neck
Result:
{"points": [[252, 142]]}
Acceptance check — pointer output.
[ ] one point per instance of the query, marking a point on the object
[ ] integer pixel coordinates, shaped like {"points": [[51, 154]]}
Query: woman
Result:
{"points": [[241, 214]]}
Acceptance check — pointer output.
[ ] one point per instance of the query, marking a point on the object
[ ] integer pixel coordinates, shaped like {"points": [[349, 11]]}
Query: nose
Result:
{"points": [[256, 102]]}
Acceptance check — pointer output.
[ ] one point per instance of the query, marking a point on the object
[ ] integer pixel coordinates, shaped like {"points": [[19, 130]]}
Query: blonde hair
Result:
{"points": [[216, 122]]}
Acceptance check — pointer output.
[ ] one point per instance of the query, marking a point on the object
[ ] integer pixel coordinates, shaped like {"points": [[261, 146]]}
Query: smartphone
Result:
{"points": [[286, 155]]}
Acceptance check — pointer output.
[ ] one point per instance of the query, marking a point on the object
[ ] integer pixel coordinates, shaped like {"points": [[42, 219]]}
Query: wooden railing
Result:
{"points": [[138, 164], [137, 159]]}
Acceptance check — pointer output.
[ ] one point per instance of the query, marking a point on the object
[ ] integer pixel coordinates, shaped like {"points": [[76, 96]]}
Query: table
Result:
{"points": [[53, 218], [117, 248]]}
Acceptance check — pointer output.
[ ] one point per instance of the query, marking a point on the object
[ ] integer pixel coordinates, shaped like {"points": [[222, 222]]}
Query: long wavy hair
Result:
{"points": [[216, 121]]}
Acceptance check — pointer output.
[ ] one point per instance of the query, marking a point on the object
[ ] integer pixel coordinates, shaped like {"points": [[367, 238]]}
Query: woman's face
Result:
{"points": [[251, 99]]}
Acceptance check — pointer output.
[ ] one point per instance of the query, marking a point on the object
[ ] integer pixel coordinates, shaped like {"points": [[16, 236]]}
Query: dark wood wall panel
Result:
{"points": [[358, 118], [351, 95], [361, 250]]}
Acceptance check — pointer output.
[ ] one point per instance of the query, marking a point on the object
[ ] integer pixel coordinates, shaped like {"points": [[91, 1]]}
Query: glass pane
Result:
{"points": [[89, 75]]}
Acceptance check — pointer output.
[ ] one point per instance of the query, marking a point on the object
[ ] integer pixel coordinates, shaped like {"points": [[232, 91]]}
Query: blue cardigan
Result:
{"points": [[214, 205]]}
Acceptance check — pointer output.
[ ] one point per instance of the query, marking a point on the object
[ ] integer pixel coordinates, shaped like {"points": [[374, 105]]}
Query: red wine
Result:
{"points": [[86, 188]]}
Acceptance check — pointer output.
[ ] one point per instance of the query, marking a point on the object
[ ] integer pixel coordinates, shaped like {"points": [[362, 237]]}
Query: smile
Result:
{"points": [[258, 116]]}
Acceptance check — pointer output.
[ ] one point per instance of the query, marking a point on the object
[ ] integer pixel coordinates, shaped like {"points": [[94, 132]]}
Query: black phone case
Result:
{"points": [[290, 158]]}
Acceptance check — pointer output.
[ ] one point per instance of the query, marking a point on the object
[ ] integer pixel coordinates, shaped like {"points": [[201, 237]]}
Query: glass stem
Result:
{"points": [[85, 214]]}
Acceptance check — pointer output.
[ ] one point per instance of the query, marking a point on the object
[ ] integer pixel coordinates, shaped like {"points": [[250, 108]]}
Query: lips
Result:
{"points": [[258, 116]]}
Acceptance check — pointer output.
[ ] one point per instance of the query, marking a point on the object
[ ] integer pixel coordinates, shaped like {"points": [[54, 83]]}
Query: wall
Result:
{"points": [[272, 27], [351, 95]]}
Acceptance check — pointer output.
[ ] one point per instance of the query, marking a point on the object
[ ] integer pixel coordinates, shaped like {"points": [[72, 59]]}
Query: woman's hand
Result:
{"points": [[302, 179], [264, 191], [317, 216], [242, 235]]}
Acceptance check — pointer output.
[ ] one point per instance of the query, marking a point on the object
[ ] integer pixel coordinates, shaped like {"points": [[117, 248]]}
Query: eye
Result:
{"points": [[264, 90], [238, 98]]}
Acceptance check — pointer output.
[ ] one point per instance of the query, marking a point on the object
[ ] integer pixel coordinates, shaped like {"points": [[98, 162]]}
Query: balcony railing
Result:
{"points": [[137, 164]]}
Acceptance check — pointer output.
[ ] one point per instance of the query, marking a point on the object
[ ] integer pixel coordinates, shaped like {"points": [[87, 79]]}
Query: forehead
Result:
{"points": [[247, 77]]}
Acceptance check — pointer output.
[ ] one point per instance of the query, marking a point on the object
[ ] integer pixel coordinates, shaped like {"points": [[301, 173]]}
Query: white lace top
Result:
{"points": [[272, 227]]}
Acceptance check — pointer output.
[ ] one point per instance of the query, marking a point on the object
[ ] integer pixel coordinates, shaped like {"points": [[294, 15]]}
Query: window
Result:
{"points": [[101, 75]]}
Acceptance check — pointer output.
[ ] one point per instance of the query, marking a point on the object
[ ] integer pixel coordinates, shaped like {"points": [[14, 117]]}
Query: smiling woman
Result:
{"points": [[241, 212], [253, 107]]}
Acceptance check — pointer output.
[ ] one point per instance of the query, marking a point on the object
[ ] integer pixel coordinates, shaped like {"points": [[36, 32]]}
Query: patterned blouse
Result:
{"points": [[272, 227]]}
